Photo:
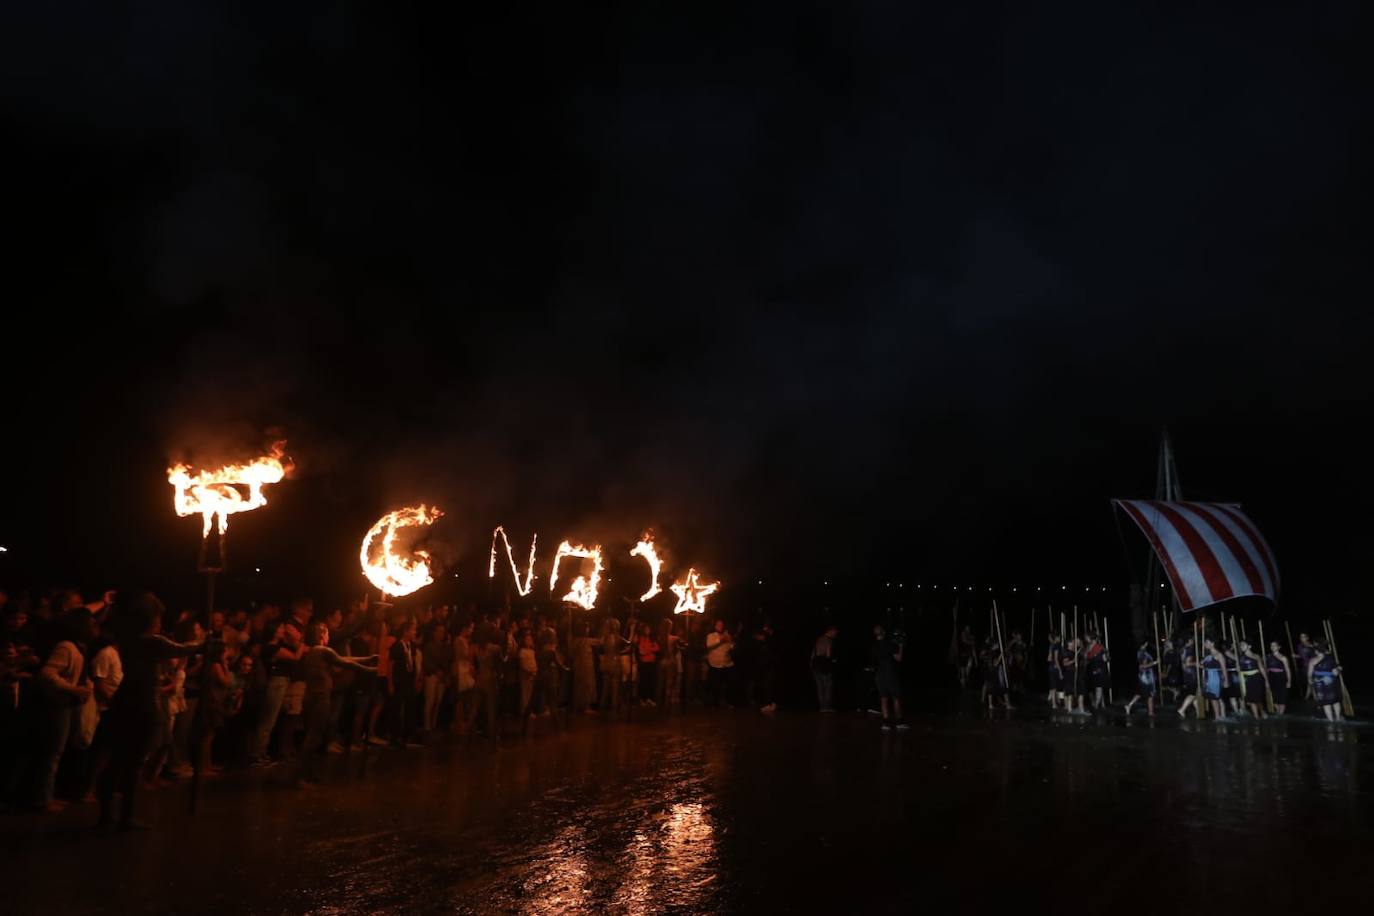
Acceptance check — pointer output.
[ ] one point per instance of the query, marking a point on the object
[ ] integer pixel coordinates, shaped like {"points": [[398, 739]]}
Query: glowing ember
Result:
{"points": [[645, 549], [522, 588], [691, 594], [392, 573], [583, 590], [217, 494]]}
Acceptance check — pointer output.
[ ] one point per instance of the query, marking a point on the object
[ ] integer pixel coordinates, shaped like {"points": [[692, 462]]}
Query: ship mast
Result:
{"points": [[1167, 488]]}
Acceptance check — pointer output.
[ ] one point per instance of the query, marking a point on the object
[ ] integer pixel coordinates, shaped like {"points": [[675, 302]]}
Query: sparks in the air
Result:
{"points": [[582, 592], [691, 594], [522, 587], [645, 549]]}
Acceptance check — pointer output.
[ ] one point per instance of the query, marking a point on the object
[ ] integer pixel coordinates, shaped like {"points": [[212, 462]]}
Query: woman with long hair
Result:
{"points": [[1280, 673], [1214, 678], [1251, 679]]}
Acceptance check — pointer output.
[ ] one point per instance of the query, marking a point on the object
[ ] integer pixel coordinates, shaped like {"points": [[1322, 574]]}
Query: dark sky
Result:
{"points": [[878, 290]]}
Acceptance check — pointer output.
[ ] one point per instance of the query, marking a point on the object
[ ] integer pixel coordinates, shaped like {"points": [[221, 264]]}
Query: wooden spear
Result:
{"points": [[1077, 652], [1264, 671], [1240, 669], [1107, 644], [1002, 651], [1159, 663], [1197, 666]]}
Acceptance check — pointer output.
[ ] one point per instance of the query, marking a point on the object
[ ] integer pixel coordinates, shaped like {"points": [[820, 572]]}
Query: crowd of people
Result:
{"points": [[103, 698], [1227, 679]]}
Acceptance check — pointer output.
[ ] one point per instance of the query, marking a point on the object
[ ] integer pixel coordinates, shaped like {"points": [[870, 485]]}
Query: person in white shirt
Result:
{"points": [[719, 658], [106, 674]]}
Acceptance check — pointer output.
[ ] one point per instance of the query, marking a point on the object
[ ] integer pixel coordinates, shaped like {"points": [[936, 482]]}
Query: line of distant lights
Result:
{"points": [[990, 588]]}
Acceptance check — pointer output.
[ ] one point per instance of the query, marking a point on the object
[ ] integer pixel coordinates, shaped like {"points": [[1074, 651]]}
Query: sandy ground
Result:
{"points": [[732, 812]]}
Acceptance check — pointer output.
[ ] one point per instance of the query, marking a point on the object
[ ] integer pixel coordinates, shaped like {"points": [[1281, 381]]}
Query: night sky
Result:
{"points": [[878, 291]]}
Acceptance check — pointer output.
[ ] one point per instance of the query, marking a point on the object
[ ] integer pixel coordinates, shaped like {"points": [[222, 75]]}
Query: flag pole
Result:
{"points": [[1002, 651], [1197, 666], [1264, 671], [1107, 643]]}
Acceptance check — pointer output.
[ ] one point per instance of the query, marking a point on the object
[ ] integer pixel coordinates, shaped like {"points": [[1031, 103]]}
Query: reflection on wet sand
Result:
{"points": [[726, 812]]}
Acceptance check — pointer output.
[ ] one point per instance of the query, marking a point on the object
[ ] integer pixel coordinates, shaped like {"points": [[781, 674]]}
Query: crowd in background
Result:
{"points": [[105, 697]]}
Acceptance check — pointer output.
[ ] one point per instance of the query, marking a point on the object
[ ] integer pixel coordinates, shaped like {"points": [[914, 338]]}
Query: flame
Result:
{"points": [[645, 549], [394, 574], [691, 594], [583, 590], [522, 588], [216, 494]]}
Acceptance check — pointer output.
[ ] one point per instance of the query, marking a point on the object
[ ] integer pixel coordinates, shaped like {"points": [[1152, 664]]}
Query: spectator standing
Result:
{"points": [[64, 691], [436, 662], [719, 658], [823, 668], [648, 649], [403, 686]]}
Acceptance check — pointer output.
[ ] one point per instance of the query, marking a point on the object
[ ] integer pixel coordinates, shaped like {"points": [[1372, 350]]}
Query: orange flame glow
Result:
{"points": [[522, 588], [645, 549], [216, 494], [691, 594], [394, 574], [583, 590]]}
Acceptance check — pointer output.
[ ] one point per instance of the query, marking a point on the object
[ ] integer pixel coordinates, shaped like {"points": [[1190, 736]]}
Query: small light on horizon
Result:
{"points": [[257, 569]]}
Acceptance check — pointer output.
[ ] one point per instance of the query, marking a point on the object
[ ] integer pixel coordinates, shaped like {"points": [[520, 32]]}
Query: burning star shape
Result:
{"points": [[691, 594]]}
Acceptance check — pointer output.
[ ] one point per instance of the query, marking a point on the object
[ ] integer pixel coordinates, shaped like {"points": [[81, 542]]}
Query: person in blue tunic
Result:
{"points": [[1213, 677], [1145, 679], [1323, 674]]}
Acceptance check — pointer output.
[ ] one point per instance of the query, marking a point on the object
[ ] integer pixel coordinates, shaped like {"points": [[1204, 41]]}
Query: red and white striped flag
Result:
{"points": [[1211, 552]]}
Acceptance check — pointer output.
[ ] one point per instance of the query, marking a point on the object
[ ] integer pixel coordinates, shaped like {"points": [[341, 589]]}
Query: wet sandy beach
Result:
{"points": [[733, 812]]}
